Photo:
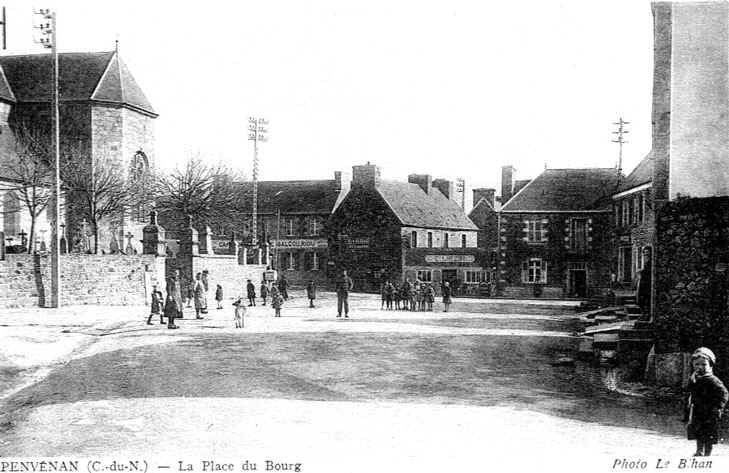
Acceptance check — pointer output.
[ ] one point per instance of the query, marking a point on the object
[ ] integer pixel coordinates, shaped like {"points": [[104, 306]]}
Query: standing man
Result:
{"points": [[251, 291], [344, 285], [311, 293], [283, 286], [173, 290], [206, 287]]}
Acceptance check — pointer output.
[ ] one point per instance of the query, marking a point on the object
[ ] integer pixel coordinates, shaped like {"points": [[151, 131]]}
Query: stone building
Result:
{"points": [[104, 118], [634, 220], [396, 230], [555, 237], [292, 223]]}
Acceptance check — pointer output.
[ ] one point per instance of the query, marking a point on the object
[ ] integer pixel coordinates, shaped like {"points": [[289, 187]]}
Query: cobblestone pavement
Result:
{"points": [[415, 389]]}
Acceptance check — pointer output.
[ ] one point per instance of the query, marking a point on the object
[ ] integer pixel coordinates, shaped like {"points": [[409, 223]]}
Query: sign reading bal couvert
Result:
{"points": [[300, 243]]}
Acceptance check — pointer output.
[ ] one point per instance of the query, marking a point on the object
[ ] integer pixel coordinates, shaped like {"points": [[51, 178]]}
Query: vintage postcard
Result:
{"points": [[349, 236]]}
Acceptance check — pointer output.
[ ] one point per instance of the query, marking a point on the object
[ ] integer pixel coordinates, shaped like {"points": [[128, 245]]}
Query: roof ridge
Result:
{"points": [[101, 79]]}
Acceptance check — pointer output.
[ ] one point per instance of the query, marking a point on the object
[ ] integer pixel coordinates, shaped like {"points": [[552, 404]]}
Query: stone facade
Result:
{"points": [[634, 223], [85, 279], [692, 277], [541, 254]]}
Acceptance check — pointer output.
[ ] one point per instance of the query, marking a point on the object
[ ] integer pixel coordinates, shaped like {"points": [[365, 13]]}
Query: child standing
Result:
{"points": [[430, 297], [706, 400], [276, 300], [446, 296], [219, 296], [240, 312]]}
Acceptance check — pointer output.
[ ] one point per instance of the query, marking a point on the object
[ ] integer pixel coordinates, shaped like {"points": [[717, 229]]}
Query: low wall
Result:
{"points": [[85, 279], [225, 270], [692, 278]]}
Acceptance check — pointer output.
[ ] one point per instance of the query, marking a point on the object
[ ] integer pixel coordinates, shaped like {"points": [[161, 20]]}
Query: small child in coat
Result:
{"points": [[705, 403], [240, 312], [219, 296], [264, 291], [277, 300]]}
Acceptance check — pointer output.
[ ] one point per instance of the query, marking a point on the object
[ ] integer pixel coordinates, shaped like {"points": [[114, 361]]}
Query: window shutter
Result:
{"points": [[524, 272], [544, 235], [544, 272]]}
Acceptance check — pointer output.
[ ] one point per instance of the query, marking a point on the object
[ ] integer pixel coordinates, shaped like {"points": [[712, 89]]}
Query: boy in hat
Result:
{"points": [[240, 312], [705, 403]]}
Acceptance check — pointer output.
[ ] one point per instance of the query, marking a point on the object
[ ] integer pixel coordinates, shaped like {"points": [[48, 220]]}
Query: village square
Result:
{"points": [[358, 321]]}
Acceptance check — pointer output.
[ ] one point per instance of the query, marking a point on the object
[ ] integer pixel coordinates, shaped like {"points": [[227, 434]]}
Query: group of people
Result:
{"points": [[172, 305], [413, 296]]}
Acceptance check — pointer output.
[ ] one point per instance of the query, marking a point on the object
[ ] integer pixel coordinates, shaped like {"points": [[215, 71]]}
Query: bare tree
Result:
{"points": [[101, 190], [30, 173], [205, 191]]}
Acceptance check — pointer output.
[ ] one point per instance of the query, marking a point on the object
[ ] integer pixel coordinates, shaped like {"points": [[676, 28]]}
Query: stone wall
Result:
{"points": [[692, 276], [85, 279], [225, 270]]}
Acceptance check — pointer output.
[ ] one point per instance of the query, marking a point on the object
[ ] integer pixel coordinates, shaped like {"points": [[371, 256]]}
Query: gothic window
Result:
{"points": [[138, 174]]}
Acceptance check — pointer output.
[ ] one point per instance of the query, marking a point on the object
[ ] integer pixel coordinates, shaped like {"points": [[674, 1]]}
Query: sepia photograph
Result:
{"points": [[364, 236]]}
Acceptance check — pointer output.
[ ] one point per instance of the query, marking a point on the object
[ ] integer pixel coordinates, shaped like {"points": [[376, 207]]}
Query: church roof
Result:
{"points": [[560, 190], [413, 207], [100, 76], [6, 93]]}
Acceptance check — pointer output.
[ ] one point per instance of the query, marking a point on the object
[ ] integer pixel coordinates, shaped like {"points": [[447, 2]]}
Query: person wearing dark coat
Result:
{"points": [[199, 295], [446, 290], [157, 306], [173, 288], [705, 402], [264, 291], [283, 288], [344, 285], [251, 291], [171, 311], [311, 293], [219, 296]]}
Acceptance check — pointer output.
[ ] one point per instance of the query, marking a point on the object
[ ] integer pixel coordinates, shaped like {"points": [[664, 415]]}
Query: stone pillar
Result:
{"points": [[259, 252], [189, 239], [244, 256], [153, 237], [206, 241], [233, 245], [266, 254]]}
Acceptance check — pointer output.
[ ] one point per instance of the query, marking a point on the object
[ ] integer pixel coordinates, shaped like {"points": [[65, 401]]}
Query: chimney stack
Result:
{"points": [[484, 193], [446, 187], [507, 183], [425, 181], [338, 180], [366, 175]]}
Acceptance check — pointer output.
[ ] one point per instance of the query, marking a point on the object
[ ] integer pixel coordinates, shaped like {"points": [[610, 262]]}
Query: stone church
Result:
{"points": [[105, 118]]}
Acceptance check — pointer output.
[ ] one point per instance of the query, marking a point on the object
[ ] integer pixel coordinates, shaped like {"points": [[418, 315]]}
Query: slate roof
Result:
{"points": [[413, 207], [6, 93], [642, 174], [100, 76], [313, 196], [559, 190]]}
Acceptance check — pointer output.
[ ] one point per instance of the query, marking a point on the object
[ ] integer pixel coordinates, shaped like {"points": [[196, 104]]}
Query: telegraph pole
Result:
{"points": [[620, 141], [257, 132], [48, 40]]}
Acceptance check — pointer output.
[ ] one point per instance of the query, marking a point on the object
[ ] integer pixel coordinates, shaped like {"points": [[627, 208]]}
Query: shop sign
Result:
{"points": [[450, 258], [300, 243]]}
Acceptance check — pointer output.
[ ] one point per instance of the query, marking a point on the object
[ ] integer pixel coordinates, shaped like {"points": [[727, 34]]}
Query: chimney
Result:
{"points": [[338, 180], [507, 183], [425, 181], [446, 188], [484, 193], [366, 175]]}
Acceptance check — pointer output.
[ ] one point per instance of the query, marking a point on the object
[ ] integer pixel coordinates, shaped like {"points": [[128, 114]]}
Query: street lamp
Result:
{"points": [[47, 39]]}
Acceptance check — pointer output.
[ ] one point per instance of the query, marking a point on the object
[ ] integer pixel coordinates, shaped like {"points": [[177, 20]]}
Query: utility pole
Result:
{"points": [[257, 132], [47, 39], [461, 187], [620, 141], [4, 24]]}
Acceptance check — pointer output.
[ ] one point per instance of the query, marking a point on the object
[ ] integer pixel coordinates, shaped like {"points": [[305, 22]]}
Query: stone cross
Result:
{"points": [[23, 239], [129, 248]]}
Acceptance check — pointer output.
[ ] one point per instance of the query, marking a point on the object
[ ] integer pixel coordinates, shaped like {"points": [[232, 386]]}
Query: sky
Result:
{"points": [[448, 88]]}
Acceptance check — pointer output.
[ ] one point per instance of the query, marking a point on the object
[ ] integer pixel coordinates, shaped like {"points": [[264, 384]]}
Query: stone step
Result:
{"points": [[632, 309]]}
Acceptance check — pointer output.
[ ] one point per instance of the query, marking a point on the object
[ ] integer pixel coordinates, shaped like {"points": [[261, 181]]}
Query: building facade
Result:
{"points": [[105, 118], [634, 223], [388, 230], [555, 236], [292, 224]]}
